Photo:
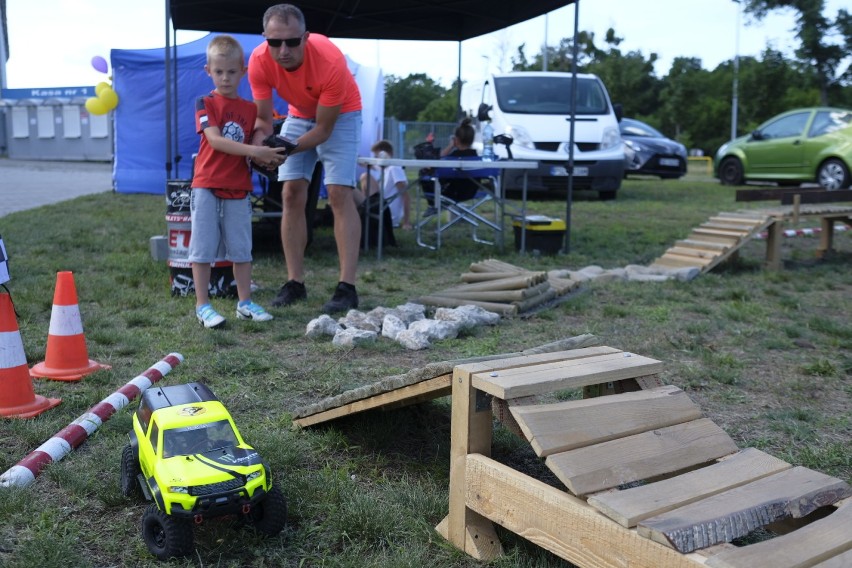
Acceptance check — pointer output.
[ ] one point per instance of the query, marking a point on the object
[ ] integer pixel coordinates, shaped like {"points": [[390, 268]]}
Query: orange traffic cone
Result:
{"points": [[17, 397], [66, 358]]}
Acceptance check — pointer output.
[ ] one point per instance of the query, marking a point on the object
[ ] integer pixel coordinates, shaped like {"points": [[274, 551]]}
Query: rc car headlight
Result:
{"points": [[179, 489], [253, 475]]}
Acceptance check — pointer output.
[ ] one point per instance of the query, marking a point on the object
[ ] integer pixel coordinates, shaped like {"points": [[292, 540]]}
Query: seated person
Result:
{"points": [[396, 183], [459, 146]]}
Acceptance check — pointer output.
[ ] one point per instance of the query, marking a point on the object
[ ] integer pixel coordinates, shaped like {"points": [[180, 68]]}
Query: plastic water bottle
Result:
{"points": [[487, 142]]}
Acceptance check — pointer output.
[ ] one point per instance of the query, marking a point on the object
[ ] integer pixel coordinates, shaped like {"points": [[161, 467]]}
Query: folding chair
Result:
{"points": [[462, 206]]}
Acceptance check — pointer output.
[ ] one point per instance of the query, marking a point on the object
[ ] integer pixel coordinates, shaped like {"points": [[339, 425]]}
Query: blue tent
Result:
{"points": [[140, 164]]}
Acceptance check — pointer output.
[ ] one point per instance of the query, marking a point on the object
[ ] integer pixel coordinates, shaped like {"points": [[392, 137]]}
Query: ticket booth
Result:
{"points": [[53, 124]]}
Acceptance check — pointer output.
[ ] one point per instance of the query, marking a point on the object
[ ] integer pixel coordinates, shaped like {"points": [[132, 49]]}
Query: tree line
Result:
{"points": [[690, 104]]}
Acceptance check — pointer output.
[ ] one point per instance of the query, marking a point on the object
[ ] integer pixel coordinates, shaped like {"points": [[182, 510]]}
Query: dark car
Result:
{"points": [[648, 152]]}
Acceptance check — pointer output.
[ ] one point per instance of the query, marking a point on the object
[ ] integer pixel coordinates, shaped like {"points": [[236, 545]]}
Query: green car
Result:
{"points": [[808, 145]]}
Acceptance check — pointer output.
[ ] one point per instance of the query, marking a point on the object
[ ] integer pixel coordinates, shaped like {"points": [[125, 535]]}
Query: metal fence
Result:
{"points": [[406, 135]]}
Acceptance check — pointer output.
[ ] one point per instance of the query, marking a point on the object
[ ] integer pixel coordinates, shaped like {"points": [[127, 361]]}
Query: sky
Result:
{"points": [[52, 42]]}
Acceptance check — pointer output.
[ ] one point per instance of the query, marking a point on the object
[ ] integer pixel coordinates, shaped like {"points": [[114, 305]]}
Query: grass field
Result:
{"points": [[767, 355]]}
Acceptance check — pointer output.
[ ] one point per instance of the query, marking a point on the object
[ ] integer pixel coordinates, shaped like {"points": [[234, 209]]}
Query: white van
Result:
{"points": [[534, 108]]}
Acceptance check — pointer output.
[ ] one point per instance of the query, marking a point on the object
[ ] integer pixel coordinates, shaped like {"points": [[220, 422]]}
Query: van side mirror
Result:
{"points": [[482, 113], [619, 111]]}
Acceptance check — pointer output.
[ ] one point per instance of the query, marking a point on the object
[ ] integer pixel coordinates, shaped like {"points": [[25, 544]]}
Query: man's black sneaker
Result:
{"points": [[345, 298], [290, 292]]}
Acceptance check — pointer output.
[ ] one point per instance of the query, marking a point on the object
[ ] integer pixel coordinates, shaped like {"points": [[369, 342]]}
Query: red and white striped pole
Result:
{"points": [[70, 437]]}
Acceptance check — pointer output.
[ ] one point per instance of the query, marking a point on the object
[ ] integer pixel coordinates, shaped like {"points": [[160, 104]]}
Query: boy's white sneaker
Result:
{"points": [[251, 311], [209, 317]]}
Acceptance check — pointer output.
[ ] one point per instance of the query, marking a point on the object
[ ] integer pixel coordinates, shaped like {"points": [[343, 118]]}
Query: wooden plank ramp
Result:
{"points": [[646, 474], [715, 240], [417, 385]]}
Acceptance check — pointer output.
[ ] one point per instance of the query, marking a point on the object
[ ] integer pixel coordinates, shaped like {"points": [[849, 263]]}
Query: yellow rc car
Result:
{"points": [[187, 457]]}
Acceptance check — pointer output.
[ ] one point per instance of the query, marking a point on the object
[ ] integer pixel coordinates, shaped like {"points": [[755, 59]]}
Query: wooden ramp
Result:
{"points": [[716, 240], [723, 235], [413, 387], [650, 481]]}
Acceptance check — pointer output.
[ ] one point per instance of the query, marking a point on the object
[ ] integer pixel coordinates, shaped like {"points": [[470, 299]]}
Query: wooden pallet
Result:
{"points": [[651, 482]]}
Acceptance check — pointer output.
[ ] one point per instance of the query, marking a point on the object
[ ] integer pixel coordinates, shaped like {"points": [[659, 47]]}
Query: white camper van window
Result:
{"points": [[20, 122], [46, 126], [71, 121], [98, 125]]}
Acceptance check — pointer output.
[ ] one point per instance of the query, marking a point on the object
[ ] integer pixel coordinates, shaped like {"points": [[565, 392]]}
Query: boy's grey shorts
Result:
{"points": [[221, 228]]}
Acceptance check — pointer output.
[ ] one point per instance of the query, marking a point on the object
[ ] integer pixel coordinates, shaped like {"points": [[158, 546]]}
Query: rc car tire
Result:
{"points": [[270, 515], [731, 171], [165, 536], [129, 472]]}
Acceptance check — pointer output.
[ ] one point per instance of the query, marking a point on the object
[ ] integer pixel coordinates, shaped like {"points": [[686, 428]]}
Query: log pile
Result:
{"points": [[502, 288]]}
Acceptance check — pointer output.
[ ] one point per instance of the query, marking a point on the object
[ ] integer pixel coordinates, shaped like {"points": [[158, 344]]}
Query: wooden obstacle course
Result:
{"points": [[651, 482], [723, 235], [698, 493]]}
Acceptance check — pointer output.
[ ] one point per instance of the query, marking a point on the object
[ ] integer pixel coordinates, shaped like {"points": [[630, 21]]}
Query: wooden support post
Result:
{"points": [[826, 237], [470, 434], [773, 245], [797, 203]]}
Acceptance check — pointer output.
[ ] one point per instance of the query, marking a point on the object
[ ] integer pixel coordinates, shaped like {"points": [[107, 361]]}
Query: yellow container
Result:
{"points": [[544, 234]]}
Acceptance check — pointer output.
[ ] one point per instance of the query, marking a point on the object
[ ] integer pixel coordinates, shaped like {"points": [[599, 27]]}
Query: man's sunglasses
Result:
{"points": [[289, 42]]}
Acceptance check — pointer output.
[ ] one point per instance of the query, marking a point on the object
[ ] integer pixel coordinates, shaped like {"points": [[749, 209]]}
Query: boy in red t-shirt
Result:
{"points": [[220, 208]]}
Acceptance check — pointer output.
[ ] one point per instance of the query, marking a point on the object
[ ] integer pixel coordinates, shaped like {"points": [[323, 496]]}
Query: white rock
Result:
{"points": [[468, 316], [323, 325], [436, 330], [411, 312], [353, 337], [413, 340], [392, 326], [637, 277], [359, 320]]}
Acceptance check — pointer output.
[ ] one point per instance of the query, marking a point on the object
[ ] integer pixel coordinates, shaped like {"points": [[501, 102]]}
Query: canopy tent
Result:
{"points": [[431, 20], [138, 78]]}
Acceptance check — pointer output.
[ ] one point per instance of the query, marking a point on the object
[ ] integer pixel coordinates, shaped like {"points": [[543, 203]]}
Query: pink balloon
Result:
{"points": [[100, 64]]}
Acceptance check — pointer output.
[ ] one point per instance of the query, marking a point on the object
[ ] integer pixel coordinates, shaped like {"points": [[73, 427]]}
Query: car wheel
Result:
{"points": [[606, 195], [129, 472], [731, 171], [833, 174], [165, 536], [270, 515]]}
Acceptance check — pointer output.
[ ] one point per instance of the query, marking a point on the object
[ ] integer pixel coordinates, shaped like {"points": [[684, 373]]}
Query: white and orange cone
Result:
{"points": [[66, 357], [17, 397]]}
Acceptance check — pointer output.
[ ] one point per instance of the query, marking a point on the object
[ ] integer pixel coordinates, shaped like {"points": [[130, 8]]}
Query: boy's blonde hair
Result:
{"points": [[226, 46]]}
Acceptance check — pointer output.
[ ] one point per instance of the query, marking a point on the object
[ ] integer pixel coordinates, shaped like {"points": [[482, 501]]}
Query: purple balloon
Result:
{"points": [[99, 63]]}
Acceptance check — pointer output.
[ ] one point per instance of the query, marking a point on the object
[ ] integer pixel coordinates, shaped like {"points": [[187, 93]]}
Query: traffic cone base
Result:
{"points": [[66, 357], [42, 371], [17, 397]]}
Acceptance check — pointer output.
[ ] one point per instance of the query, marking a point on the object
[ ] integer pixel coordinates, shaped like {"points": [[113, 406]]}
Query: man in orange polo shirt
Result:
{"points": [[324, 119]]}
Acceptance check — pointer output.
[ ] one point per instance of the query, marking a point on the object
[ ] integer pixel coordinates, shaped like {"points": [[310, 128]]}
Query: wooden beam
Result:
{"points": [[570, 372], [641, 456], [559, 522], [422, 391], [636, 504], [470, 432], [563, 426], [795, 493], [817, 196], [825, 543]]}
